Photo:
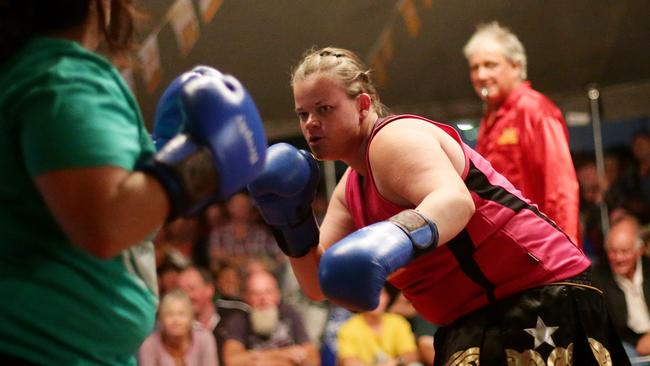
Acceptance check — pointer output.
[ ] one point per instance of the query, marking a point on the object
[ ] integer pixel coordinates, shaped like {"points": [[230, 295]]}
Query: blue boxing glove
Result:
{"points": [[169, 120], [353, 271], [283, 192], [223, 148]]}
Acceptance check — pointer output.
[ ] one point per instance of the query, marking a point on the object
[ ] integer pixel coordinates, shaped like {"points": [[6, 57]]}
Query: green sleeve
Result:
{"points": [[78, 117]]}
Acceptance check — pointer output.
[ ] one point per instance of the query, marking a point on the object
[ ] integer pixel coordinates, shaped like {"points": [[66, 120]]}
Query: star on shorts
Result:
{"points": [[541, 333]]}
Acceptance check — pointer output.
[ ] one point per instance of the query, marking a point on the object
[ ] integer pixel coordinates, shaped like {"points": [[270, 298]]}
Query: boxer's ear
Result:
{"points": [[363, 104]]}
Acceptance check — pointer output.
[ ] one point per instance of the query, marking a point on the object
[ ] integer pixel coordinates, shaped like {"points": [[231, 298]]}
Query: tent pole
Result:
{"points": [[594, 104]]}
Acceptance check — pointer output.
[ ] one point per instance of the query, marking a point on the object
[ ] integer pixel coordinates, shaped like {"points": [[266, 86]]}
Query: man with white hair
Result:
{"points": [[522, 133], [271, 333], [625, 280]]}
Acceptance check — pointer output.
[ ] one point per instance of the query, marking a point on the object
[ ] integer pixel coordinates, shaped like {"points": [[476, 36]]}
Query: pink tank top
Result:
{"points": [[506, 247]]}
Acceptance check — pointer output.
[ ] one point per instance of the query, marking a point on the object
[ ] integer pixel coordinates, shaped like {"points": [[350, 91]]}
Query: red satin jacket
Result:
{"points": [[528, 143]]}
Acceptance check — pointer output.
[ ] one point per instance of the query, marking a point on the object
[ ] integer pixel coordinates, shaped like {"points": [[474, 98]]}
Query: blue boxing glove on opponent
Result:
{"points": [[353, 271], [283, 192], [223, 146]]}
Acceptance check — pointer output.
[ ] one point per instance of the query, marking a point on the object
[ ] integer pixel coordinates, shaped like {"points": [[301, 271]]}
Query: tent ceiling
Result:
{"points": [[569, 44]]}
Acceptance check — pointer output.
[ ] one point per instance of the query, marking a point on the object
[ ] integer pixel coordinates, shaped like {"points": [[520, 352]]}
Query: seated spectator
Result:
{"points": [[228, 297], [242, 236], [227, 280], [198, 285], [645, 237], [623, 191], [179, 235], [211, 219], [625, 280], [177, 341], [214, 215], [424, 332], [616, 177], [591, 198], [168, 268], [251, 265], [271, 334], [641, 151], [422, 328], [336, 317], [377, 338]]}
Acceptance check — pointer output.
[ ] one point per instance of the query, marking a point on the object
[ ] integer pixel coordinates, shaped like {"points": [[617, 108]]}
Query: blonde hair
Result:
{"points": [[344, 66], [176, 295], [493, 34]]}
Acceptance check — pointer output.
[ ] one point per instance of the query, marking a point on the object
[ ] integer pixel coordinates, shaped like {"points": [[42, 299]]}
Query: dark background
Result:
{"points": [[570, 44]]}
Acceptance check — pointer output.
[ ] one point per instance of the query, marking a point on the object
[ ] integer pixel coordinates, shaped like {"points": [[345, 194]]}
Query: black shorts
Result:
{"points": [[559, 324]]}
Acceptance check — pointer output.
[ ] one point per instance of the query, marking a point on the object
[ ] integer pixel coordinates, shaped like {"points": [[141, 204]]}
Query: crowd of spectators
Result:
{"points": [[225, 266], [623, 190]]}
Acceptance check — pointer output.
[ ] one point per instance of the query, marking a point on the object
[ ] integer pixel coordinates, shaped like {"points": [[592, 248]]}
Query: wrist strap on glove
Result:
{"points": [[420, 229], [188, 176], [297, 240]]}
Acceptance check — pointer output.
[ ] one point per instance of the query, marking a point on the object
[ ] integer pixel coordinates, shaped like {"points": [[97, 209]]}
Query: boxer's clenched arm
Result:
{"points": [[106, 209], [426, 173], [413, 165]]}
